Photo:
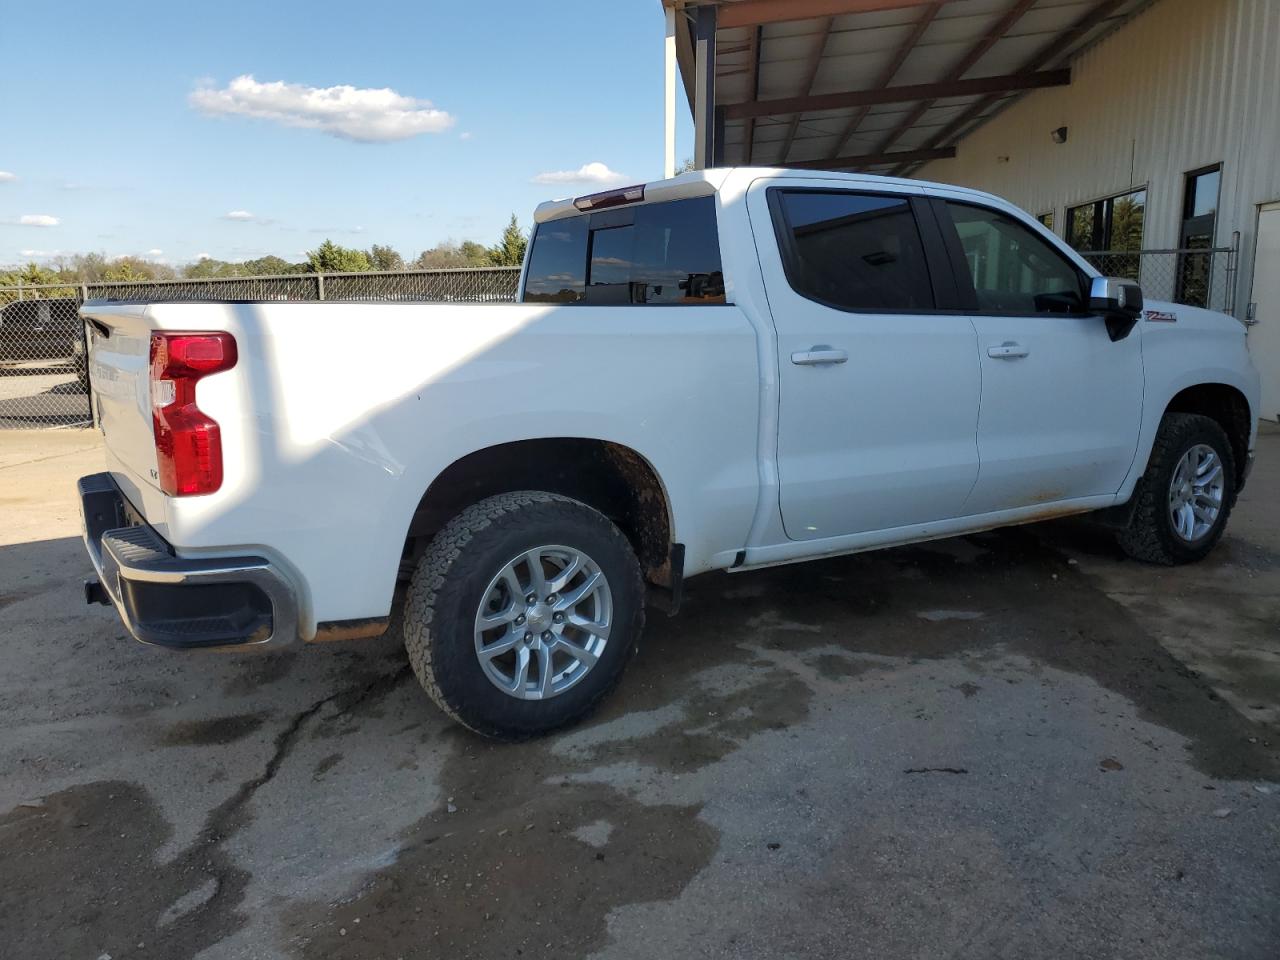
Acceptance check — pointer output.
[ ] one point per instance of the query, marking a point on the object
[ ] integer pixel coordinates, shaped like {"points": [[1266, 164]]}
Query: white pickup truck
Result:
{"points": [[723, 371]]}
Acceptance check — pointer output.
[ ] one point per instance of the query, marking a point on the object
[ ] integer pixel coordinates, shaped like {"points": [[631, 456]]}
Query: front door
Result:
{"points": [[1061, 402], [1264, 335], [878, 392]]}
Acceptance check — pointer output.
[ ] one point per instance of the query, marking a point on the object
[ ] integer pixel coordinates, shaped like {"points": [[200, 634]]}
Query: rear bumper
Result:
{"points": [[176, 601]]}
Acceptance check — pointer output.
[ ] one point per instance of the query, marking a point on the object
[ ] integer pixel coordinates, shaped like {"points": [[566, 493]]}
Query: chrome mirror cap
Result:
{"points": [[1115, 295]]}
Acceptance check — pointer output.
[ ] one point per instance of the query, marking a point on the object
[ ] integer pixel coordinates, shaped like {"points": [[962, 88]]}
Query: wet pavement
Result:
{"points": [[1007, 745]]}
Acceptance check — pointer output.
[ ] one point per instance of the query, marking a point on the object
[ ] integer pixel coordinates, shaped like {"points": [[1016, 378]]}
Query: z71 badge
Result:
{"points": [[1160, 316]]}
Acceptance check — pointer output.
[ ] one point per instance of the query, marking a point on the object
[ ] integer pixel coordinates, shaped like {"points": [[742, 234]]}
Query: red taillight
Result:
{"points": [[188, 442]]}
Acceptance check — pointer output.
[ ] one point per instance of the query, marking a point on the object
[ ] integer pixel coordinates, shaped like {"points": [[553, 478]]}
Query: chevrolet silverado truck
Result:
{"points": [[727, 370]]}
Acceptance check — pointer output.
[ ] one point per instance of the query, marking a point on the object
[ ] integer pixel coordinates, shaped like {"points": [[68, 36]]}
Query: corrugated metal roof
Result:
{"points": [[930, 41]]}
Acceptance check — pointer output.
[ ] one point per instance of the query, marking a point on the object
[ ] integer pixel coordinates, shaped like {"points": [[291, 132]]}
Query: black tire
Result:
{"points": [[1150, 535], [445, 593]]}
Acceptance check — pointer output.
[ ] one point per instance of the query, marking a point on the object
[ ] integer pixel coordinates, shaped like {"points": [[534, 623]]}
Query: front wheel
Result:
{"points": [[1186, 494], [522, 613]]}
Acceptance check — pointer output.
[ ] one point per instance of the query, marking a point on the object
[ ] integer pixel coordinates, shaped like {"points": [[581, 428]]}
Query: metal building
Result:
{"points": [[1145, 132]]}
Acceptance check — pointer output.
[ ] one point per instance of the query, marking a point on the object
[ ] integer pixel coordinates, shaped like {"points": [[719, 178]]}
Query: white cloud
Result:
{"points": [[154, 252], [7, 177], [465, 135], [40, 254], [242, 216], [203, 256], [363, 114], [38, 220], [594, 173]]}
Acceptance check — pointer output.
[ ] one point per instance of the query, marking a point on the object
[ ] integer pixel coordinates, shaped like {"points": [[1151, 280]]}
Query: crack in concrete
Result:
{"points": [[222, 821]]}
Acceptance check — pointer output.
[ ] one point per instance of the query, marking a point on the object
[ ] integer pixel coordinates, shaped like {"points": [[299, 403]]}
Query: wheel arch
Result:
{"points": [[611, 477], [1228, 407]]}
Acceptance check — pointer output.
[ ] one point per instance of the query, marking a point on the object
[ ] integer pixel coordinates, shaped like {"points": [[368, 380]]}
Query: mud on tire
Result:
{"points": [[446, 591], [1150, 535]]}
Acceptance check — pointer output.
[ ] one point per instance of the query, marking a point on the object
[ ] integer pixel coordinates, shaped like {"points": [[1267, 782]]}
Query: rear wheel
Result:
{"points": [[522, 613], [1186, 494]]}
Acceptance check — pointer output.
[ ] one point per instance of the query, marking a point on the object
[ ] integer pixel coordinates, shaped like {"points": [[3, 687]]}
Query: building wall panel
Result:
{"points": [[1186, 84]]}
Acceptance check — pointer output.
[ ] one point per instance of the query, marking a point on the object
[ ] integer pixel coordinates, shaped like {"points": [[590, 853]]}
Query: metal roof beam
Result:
{"points": [[998, 31], [889, 72], [751, 13], [917, 91], [811, 74], [874, 159], [1057, 46]]}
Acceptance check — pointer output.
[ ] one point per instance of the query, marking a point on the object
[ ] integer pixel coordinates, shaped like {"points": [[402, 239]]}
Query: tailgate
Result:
{"points": [[119, 359]]}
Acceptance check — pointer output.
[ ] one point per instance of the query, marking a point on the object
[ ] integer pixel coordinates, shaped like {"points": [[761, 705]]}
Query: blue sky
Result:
{"points": [[126, 124]]}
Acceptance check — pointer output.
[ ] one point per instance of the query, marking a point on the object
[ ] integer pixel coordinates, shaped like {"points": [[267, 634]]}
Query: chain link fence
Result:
{"points": [[44, 375], [44, 371], [1203, 277]]}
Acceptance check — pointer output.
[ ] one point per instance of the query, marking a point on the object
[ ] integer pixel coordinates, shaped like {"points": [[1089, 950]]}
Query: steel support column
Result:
{"points": [[704, 120]]}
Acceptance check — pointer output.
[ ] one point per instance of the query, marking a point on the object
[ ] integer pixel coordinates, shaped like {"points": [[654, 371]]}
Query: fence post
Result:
{"points": [[84, 292], [319, 286], [19, 288], [1232, 266]]}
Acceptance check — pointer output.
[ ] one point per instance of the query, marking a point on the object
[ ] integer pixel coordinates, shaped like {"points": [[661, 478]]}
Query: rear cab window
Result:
{"points": [[664, 254]]}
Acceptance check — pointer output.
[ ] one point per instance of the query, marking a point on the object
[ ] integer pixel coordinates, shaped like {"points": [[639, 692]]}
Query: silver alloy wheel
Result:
{"points": [[1195, 492], [543, 622]]}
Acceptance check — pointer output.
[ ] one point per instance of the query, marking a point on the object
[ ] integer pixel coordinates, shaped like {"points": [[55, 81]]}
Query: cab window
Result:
{"points": [[660, 254], [1011, 267], [853, 251]]}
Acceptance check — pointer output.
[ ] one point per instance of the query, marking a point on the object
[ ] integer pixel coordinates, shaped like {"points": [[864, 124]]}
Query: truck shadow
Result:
{"points": [[486, 838]]}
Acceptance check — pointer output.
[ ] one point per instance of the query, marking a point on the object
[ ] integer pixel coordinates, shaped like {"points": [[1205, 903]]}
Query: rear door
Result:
{"points": [[1061, 402], [879, 391]]}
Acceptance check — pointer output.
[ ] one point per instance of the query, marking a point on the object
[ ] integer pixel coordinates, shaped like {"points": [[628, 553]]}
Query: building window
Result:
{"points": [[1199, 218], [1046, 219], [1112, 225]]}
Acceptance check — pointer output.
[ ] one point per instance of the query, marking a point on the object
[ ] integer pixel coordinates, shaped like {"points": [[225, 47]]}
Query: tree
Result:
{"points": [[29, 276], [509, 250], [331, 258], [207, 268], [474, 254], [451, 255], [385, 258], [271, 266], [129, 269]]}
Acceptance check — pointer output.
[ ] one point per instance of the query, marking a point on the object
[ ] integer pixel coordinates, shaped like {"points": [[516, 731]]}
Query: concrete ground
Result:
{"points": [[40, 393], [1011, 745]]}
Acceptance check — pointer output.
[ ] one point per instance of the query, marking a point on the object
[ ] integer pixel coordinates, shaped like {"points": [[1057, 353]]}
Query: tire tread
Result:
{"points": [[437, 562], [1145, 538]]}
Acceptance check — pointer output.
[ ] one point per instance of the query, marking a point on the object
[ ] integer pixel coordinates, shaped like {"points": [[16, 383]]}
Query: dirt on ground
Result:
{"points": [[1007, 745]]}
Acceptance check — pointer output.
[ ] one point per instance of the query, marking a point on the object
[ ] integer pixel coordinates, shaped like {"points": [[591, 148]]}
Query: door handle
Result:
{"points": [[818, 355], [1007, 351]]}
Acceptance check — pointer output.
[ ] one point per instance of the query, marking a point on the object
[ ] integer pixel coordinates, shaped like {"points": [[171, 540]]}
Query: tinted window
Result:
{"points": [[1114, 223], [669, 253], [854, 251], [558, 263], [1013, 269], [658, 253]]}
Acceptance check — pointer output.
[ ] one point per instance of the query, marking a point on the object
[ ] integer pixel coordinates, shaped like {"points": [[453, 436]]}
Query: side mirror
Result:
{"points": [[1118, 301]]}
